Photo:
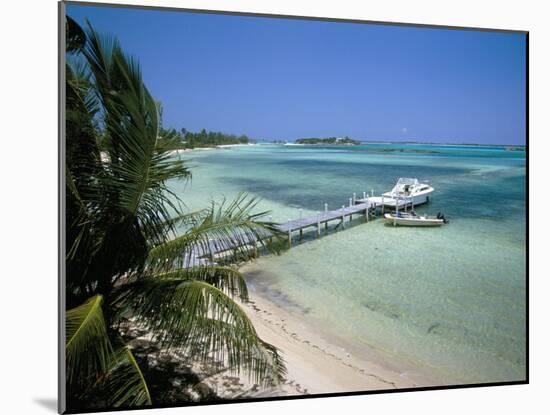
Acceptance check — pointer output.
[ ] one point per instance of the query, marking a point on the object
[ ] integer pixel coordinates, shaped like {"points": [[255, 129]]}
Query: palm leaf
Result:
{"points": [[88, 349], [120, 206], [126, 381], [76, 38], [226, 278], [232, 227], [139, 167], [194, 315]]}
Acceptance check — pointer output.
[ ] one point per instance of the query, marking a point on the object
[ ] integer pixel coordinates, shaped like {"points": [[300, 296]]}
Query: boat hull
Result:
{"points": [[416, 200], [419, 221], [421, 199]]}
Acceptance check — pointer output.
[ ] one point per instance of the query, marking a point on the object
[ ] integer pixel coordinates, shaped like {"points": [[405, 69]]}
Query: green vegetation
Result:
{"points": [[210, 139], [129, 243], [330, 140], [184, 139]]}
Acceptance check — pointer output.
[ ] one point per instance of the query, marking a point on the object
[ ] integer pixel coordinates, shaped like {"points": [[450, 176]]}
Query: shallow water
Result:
{"points": [[450, 300]]}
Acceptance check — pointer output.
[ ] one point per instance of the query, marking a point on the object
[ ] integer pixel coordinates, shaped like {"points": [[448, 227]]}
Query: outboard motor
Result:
{"points": [[442, 216]]}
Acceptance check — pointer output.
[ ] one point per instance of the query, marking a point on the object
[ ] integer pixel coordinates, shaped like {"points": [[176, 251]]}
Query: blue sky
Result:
{"points": [[284, 79]]}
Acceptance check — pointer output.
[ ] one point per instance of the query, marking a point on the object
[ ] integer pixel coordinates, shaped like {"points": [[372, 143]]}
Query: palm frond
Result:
{"points": [[139, 168], [88, 349], [194, 315], [182, 221], [126, 382], [227, 226], [76, 38], [80, 216], [226, 278]]}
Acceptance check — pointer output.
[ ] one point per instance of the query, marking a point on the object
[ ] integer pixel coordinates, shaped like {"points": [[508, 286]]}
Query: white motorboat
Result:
{"points": [[412, 219], [410, 191]]}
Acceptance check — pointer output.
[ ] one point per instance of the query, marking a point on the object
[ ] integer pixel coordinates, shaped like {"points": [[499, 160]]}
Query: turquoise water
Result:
{"points": [[449, 300]]}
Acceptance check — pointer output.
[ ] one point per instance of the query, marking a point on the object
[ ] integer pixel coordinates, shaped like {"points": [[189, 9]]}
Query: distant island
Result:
{"points": [[213, 138], [184, 139], [329, 140]]}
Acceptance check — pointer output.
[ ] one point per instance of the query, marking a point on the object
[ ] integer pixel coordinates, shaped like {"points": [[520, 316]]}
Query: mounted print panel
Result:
{"points": [[262, 207]]}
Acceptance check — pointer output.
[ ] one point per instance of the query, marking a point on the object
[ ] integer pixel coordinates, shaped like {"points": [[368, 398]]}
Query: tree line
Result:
{"points": [[329, 140], [188, 139]]}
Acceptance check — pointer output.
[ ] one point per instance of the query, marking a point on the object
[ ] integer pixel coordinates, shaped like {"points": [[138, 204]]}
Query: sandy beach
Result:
{"points": [[316, 364], [217, 147], [235, 145]]}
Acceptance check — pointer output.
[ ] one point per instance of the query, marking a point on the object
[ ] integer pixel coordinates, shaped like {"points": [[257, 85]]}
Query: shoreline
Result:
{"points": [[235, 145], [216, 147], [512, 148], [318, 364]]}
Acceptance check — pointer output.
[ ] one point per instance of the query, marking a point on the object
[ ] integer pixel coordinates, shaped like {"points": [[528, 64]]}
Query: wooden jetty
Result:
{"points": [[367, 206], [323, 218]]}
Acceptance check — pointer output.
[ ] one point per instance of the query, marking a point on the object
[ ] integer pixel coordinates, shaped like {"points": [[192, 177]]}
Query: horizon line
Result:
{"points": [[405, 142]]}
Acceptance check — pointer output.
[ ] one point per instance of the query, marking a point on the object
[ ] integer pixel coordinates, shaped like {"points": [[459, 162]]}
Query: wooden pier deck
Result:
{"points": [[367, 206], [202, 255], [323, 218]]}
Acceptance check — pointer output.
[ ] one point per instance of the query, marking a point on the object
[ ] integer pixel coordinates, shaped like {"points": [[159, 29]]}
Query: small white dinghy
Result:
{"points": [[412, 219]]}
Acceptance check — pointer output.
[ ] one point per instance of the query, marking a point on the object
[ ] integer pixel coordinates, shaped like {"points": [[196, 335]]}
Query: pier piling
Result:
{"points": [[396, 212], [289, 234], [318, 224]]}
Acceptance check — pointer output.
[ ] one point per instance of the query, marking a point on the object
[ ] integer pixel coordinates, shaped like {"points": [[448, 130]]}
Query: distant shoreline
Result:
{"points": [[507, 147], [212, 147], [524, 146]]}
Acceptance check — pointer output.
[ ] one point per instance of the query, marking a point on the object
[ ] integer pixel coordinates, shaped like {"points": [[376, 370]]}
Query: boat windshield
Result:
{"points": [[404, 186]]}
